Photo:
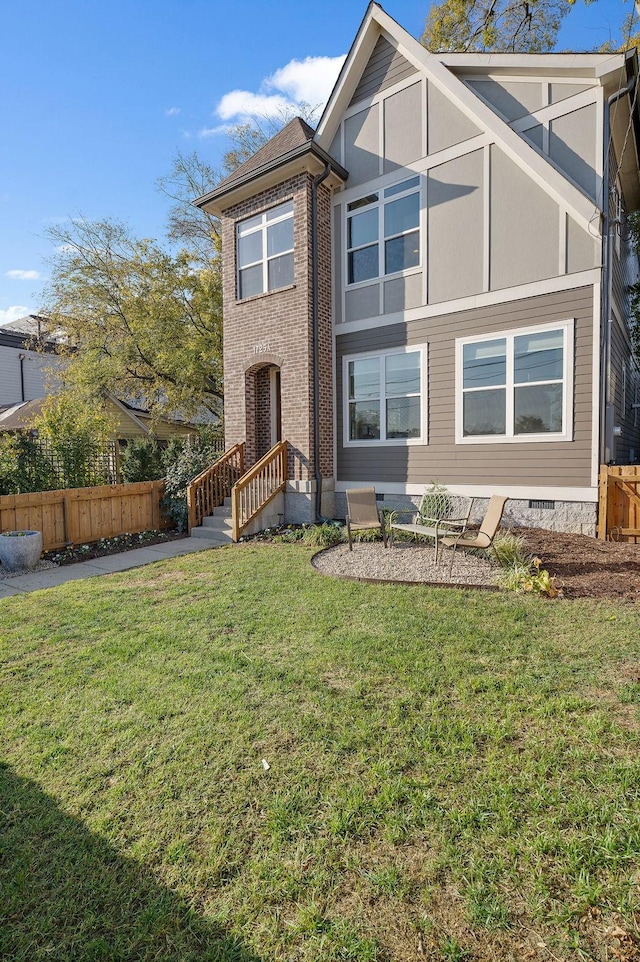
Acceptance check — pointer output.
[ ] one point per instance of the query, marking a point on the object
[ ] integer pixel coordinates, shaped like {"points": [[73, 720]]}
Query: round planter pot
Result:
{"points": [[20, 550]]}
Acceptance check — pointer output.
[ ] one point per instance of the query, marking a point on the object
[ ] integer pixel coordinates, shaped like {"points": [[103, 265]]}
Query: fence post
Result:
{"points": [[603, 502]]}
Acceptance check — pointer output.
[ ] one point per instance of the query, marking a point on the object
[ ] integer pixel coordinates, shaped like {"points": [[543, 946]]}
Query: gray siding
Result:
{"points": [[386, 67], [583, 253], [403, 293], [524, 226], [446, 124], [534, 136], [455, 228], [621, 395], [362, 302], [35, 377], [559, 92], [361, 145], [511, 99], [544, 463], [403, 134], [336, 250], [572, 146]]}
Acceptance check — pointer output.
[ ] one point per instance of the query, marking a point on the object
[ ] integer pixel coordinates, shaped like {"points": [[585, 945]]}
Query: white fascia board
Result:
{"points": [[526, 157], [517, 492], [595, 64], [352, 69]]}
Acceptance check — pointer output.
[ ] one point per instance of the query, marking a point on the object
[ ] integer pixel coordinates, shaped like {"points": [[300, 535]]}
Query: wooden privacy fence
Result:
{"points": [[619, 503], [81, 515]]}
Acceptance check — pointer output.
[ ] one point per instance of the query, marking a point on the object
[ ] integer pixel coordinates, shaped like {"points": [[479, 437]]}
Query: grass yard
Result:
{"points": [[453, 774]]}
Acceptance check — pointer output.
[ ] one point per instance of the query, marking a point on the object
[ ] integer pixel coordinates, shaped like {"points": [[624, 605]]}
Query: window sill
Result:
{"points": [[257, 297], [519, 439], [390, 442]]}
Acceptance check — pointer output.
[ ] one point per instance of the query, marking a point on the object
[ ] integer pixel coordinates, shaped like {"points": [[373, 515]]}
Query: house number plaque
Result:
{"points": [[261, 348]]}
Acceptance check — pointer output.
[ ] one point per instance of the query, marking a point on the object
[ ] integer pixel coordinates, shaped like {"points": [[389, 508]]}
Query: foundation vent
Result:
{"points": [[542, 505]]}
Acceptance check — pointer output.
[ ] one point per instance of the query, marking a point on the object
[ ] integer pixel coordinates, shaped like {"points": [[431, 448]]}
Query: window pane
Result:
{"points": [[403, 417], [280, 271], [538, 357], [402, 374], [251, 281], [364, 378], [364, 420], [402, 252], [538, 410], [363, 264], [401, 215], [484, 412], [280, 237], [249, 249], [362, 202], [405, 185], [248, 224], [485, 363], [279, 211], [362, 228]]}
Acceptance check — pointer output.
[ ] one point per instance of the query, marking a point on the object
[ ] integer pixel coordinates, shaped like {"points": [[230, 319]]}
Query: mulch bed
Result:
{"points": [[585, 567], [97, 549]]}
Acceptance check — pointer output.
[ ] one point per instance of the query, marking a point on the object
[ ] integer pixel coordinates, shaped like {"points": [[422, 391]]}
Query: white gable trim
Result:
{"points": [[526, 157]]}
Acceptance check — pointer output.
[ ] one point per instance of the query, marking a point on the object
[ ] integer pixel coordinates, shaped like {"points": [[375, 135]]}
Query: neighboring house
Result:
{"points": [[27, 376], [431, 285]]}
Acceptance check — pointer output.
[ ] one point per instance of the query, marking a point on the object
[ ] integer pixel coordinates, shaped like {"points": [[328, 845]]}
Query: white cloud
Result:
{"points": [[23, 275], [172, 112], [308, 81], [12, 314], [242, 103]]}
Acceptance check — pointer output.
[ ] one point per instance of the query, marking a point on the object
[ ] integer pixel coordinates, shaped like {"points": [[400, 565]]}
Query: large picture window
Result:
{"points": [[515, 386], [383, 397], [383, 232], [265, 251]]}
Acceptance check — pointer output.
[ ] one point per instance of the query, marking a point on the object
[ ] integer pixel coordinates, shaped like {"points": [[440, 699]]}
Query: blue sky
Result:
{"points": [[96, 99]]}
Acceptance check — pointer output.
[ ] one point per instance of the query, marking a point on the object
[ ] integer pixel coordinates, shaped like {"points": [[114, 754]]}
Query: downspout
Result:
{"points": [[317, 180], [607, 285], [21, 359]]}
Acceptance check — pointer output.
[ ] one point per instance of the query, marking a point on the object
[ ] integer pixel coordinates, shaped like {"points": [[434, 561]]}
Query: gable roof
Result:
{"points": [[295, 134], [290, 144], [436, 68]]}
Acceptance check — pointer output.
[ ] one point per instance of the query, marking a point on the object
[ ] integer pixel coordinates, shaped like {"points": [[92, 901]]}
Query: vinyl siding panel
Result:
{"points": [[539, 463], [621, 395], [386, 67]]}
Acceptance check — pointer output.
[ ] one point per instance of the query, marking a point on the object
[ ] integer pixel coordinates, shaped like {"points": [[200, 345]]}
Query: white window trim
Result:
{"points": [[264, 260], [379, 442], [567, 327], [380, 205]]}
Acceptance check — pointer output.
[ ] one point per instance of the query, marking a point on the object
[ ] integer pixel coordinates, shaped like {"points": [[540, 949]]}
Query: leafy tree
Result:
{"points": [[77, 432], [141, 323], [141, 460], [512, 26]]}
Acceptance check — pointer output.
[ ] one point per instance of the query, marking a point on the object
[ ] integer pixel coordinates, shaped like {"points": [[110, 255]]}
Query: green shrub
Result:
{"points": [[183, 461], [323, 535], [141, 460], [510, 551]]}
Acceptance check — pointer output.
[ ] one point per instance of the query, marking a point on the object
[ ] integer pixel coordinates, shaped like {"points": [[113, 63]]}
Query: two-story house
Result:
{"points": [[434, 283]]}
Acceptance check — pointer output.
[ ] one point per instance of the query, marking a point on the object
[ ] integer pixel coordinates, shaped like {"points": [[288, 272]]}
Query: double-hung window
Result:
{"points": [[383, 232], [515, 386], [265, 251], [384, 397]]}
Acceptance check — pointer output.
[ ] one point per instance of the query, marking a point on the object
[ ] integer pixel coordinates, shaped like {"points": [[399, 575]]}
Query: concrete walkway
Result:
{"points": [[50, 577]]}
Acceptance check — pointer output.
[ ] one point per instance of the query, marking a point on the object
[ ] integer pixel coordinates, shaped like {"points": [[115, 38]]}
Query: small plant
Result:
{"points": [[323, 535], [530, 577], [510, 551]]}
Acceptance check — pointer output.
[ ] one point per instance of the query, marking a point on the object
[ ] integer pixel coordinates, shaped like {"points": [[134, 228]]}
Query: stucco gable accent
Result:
{"points": [[535, 165]]}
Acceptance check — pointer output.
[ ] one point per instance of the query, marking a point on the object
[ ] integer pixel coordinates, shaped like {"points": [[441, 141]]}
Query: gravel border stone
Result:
{"points": [[406, 563]]}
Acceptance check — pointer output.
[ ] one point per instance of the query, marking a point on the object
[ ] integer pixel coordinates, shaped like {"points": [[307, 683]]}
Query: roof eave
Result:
{"points": [[308, 156]]}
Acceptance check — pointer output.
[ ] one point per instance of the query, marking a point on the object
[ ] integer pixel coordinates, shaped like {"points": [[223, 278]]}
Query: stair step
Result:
{"points": [[223, 511], [212, 534], [216, 522]]}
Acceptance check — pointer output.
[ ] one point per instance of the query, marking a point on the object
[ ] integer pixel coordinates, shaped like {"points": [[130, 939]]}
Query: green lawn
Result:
{"points": [[453, 774]]}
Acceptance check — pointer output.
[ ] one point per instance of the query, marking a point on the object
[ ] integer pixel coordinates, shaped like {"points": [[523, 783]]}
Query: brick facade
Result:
{"points": [[275, 330]]}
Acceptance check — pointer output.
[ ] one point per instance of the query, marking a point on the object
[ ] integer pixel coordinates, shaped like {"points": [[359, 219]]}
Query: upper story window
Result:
{"points": [[515, 386], [265, 251], [383, 232], [384, 397]]}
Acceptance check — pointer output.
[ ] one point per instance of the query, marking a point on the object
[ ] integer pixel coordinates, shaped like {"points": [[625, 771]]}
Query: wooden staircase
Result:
{"points": [[224, 499]]}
